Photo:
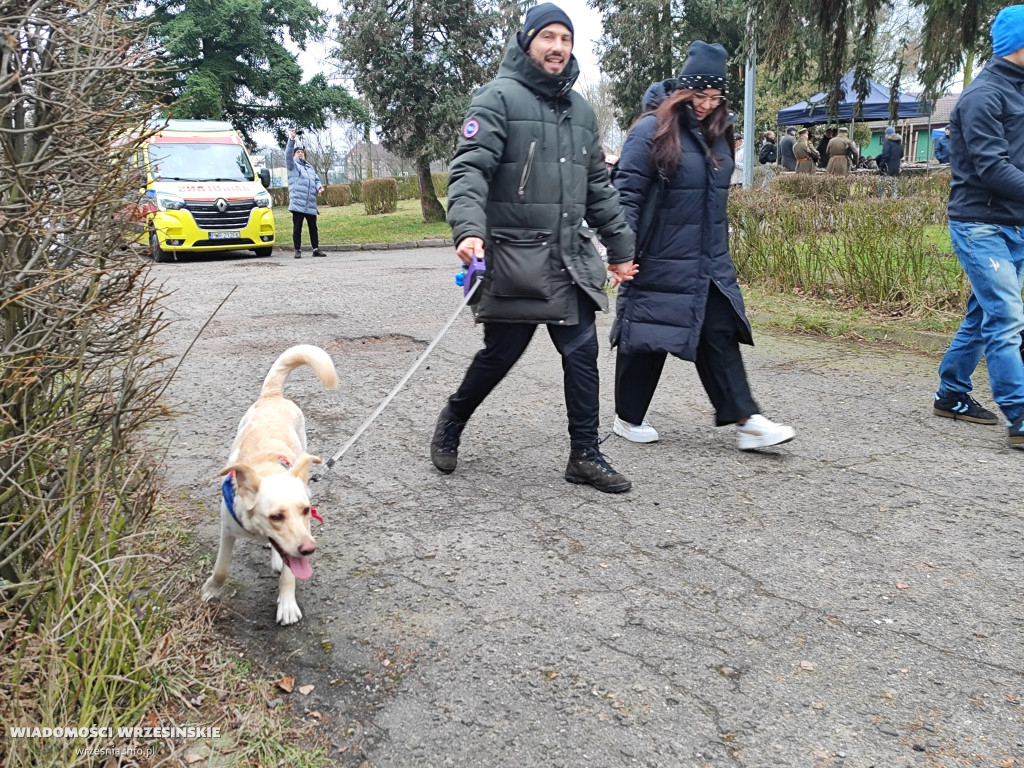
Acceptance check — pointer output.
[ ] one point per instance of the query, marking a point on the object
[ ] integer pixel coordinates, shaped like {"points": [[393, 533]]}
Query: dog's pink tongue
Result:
{"points": [[300, 567]]}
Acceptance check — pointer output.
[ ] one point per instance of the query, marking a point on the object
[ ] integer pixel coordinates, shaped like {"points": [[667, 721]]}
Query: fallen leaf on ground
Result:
{"points": [[305, 690], [192, 757], [286, 683]]}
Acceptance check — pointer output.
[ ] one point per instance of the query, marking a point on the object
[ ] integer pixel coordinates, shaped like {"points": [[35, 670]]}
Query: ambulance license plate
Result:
{"points": [[224, 235]]}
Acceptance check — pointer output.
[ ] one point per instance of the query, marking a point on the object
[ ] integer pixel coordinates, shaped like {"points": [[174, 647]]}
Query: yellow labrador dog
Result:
{"points": [[264, 495]]}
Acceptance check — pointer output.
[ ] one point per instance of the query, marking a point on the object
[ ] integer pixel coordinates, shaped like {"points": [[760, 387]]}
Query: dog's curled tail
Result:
{"points": [[292, 358]]}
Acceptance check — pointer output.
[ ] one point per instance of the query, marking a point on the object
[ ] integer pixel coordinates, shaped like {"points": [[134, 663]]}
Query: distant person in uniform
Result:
{"points": [[806, 155], [840, 151]]}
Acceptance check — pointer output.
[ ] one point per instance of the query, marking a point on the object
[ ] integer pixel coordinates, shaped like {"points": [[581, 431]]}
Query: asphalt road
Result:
{"points": [[850, 599]]}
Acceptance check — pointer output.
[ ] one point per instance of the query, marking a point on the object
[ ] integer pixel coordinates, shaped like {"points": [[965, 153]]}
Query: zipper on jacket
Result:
{"points": [[526, 171]]}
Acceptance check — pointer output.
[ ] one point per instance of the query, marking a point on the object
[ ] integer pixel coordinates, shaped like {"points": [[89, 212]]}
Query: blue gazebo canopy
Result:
{"points": [[874, 107]]}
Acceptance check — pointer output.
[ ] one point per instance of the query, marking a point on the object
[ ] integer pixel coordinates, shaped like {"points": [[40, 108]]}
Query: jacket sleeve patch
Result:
{"points": [[470, 128]]}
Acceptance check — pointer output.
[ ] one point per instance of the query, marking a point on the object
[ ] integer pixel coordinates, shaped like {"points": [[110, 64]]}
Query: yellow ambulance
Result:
{"points": [[202, 193]]}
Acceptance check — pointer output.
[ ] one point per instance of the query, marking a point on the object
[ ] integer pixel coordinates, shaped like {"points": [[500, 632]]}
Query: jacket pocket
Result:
{"points": [[518, 263]]}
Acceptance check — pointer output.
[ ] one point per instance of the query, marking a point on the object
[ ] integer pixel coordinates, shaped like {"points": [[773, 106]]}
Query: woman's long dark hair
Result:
{"points": [[665, 149]]}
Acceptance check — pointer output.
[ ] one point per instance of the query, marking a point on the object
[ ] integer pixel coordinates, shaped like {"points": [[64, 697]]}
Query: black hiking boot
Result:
{"points": [[588, 467], [318, 252], [298, 253], [444, 447]]}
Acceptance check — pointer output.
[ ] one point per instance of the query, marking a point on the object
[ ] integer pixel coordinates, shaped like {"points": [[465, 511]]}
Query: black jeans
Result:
{"points": [[719, 365], [504, 344], [314, 236]]}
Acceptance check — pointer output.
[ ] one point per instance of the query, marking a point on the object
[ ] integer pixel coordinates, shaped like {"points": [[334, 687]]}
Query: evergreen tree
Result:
{"points": [[834, 36], [954, 33], [416, 62], [646, 41], [230, 63], [637, 48]]}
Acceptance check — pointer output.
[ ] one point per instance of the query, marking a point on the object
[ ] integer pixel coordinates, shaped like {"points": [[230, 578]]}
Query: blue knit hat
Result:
{"points": [[1008, 31], [889, 130], [537, 18], [704, 67]]}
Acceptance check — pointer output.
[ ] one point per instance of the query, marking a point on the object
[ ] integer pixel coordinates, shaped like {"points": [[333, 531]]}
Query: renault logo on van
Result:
{"points": [[221, 204]]}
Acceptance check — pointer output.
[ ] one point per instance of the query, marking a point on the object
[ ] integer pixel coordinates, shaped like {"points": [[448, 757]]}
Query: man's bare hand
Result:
{"points": [[470, 248], [620, 273]]}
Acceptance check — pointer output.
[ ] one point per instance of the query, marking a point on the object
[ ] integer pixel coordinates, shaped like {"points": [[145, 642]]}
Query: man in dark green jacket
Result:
{"points": [[528, 169]]}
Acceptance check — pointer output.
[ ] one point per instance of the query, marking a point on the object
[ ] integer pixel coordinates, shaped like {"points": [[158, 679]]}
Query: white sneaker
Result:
{"points": [[759, 432], [635, 433]]}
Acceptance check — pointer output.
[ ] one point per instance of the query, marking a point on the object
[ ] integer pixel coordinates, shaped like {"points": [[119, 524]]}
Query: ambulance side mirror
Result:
{"points": [[265, 177]]}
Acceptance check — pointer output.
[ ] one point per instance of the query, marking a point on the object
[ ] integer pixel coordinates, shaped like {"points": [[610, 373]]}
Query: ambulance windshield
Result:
{"points": [[199, 162]]}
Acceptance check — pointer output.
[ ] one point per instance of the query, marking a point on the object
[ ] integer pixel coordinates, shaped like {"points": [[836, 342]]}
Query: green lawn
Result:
{"points": [[938, 235], [350, 225]]}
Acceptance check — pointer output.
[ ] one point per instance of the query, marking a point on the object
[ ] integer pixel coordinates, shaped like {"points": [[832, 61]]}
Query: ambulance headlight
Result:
{"points": [[168, 202]]}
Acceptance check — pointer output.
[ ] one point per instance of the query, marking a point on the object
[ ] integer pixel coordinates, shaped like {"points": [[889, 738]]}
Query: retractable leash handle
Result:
{"points": [[474, 272], [470, 276]]}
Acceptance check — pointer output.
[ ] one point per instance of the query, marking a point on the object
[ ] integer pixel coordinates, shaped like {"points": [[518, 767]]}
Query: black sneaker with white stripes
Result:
{"points": [[1016, 430], [963, 407]]}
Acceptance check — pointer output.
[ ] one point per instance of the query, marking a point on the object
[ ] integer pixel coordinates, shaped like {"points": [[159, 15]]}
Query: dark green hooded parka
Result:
{"points": [[528, 169]]}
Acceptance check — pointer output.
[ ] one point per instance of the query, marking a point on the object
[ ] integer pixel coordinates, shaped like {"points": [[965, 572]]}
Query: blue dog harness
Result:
{"points": [[227, 490]]}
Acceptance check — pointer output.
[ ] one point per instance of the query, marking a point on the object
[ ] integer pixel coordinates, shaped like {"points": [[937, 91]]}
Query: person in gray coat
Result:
{"points": [[527, 170], [685, 299], [303, 186], [786, 146]]}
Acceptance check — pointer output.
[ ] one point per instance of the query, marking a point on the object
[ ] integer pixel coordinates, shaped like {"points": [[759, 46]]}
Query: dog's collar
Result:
{"points": [[227, 490]]}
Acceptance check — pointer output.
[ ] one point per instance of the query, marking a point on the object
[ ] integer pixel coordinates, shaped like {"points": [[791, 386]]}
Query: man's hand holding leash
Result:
{"points": [[470, 248]]}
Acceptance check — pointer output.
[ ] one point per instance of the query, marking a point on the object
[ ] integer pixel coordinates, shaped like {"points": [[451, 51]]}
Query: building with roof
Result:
{"points": [[916, 131]]}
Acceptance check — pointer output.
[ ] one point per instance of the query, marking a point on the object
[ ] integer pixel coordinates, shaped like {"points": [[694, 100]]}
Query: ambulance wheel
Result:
{"points": [[264, 252], [158, 254]]}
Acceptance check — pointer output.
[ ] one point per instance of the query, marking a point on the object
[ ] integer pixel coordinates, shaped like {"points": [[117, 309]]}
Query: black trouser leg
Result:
{"points": [[297, 229], [314, 234], [504, 344], [719, 363], [636, 378], [577, 344]]}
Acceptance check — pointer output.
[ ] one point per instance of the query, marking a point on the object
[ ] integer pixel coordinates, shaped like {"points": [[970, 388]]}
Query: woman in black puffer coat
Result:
{"points": [[685, 300]]}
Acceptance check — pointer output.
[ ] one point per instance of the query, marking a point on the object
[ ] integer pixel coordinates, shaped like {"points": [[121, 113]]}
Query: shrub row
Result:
{"points": [[860, 249], [408, 188], [380, 196]]}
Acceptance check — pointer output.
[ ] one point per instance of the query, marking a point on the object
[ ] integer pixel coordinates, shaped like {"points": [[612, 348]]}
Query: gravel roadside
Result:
{"points": [[850, 599]]}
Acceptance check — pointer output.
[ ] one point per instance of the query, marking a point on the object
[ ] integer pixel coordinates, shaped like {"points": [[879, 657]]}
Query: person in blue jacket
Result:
{"points": [[684, 299], [941, 148], [303, 186], [986, 225]]}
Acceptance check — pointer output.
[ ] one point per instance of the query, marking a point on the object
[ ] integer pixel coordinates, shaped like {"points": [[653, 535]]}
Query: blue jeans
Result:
{"points": [[992, 255]]}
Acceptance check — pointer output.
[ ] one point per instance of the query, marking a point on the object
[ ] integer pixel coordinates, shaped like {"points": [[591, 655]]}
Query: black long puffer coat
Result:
{"points": [[662, 308]]}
